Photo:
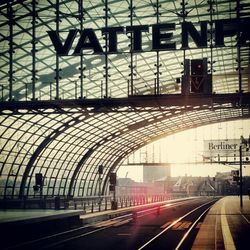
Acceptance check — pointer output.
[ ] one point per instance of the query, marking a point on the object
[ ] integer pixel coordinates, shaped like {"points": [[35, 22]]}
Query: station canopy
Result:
{"points": [[64, 115]]}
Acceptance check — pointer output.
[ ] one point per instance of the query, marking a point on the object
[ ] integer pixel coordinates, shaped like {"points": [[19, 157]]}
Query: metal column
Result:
{"points": [[11, 22], [57, 69], [33, 51], [131, 66], [157, 65], [81, 68], [106, 75]]}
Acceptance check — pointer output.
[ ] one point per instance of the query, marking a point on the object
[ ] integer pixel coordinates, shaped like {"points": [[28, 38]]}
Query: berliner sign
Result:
{"points": [[227, 147]]}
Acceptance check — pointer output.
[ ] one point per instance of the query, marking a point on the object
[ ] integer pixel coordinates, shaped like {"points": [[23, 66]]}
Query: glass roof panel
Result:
{"points": [[86, 76]]}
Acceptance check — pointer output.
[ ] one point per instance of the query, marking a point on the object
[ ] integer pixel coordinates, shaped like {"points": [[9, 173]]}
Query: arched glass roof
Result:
{"points": [[67, 146], [63, 116]]}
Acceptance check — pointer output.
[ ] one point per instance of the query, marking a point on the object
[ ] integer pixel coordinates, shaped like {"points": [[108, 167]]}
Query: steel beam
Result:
{"points": [[173, 100]]}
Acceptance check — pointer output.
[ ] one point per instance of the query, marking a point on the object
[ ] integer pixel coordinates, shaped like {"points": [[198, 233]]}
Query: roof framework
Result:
{"points": [[65, 116]]}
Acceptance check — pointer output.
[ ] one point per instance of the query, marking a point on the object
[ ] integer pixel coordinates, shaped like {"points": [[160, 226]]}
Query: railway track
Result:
{"points": [[181, 240], [166, 232]]}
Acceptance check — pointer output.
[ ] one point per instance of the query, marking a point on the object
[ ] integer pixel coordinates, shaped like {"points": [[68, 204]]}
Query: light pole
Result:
{"points": [[241, 200], [246, 144], [100, 172]]}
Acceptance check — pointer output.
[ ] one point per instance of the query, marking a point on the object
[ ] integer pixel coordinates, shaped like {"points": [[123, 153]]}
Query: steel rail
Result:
{"points": [[119, 220], [191, 228], [172, 224]]}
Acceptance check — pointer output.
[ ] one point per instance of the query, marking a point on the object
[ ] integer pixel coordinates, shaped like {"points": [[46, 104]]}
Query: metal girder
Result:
{"points": [[40, 148], [172, 100], [77, 169], [146, 123]]}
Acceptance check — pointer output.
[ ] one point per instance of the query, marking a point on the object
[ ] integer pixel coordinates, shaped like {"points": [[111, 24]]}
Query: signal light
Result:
{"points": [[236, 178], [36, 188], [235, 172], [197, 75], [112, 179], [39, 179], [100, 169]]}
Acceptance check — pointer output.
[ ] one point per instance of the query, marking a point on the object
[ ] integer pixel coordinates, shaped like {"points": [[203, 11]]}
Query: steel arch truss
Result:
{"points": [[67, 144]]}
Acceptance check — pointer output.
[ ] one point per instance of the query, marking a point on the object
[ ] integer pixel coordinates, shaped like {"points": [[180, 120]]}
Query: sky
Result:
{"points": [[184, 151]]}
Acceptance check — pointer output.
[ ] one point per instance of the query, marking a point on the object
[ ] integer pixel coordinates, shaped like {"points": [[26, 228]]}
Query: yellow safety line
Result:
{"points": [[215, 231], [227, 236]]}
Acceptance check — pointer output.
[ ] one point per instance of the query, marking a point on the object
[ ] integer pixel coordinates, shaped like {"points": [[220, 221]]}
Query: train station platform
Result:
{"points": [[226, 226], [24, 216], [29, 216], [18, 225]]}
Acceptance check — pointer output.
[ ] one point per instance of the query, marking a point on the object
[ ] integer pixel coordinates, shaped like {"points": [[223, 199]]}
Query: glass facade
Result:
{"points": [[31, 69]]}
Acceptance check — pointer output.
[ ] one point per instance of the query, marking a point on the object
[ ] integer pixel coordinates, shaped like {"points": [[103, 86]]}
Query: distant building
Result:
{"points": [[182, 186], [224, 184], [193, 186], [155, 172], [128, 187]]}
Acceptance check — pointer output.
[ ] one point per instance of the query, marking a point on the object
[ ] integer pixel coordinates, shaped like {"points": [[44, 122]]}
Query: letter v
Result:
{"points": [[62, 50]]}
